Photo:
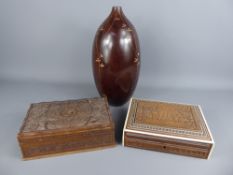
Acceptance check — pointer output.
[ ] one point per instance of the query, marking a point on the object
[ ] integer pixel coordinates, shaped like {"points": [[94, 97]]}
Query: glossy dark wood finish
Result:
{"points": [[116, 58]]}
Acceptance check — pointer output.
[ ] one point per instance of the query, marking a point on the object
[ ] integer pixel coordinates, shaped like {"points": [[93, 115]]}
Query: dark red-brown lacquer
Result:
{"points": [[116, 58]]}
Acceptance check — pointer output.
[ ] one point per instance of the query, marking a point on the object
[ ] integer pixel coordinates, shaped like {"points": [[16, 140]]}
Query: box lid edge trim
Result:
{"points": [[168, 136], [126, 121]]}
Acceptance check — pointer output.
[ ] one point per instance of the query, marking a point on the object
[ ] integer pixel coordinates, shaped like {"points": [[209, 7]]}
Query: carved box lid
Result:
{"points": [[170, 120], [64, 116]]}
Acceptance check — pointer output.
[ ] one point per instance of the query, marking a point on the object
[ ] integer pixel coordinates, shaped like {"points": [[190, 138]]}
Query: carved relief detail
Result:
{"points": [[67, 114]]}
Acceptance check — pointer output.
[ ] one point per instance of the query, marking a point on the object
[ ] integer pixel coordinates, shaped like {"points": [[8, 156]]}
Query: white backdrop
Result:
{"points": [[187, 57], [183, 43]]}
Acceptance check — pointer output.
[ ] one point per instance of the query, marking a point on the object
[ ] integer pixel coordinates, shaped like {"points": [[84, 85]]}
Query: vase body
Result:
{"points": [[116, 58]]}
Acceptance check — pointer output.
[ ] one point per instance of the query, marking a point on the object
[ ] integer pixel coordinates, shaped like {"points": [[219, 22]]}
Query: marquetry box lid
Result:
{"points": [[167, 127], [60, 127]]}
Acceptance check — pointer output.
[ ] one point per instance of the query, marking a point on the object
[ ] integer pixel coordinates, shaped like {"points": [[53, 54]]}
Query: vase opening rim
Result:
{"points": [[117, 8]]}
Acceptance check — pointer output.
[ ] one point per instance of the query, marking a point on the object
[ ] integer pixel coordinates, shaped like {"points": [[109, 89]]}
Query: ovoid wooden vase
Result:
{"points": [[116, 58]]}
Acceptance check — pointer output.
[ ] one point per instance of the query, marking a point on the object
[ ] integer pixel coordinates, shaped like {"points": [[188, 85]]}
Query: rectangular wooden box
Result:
{"points": [[52, 128], [167, 127]]}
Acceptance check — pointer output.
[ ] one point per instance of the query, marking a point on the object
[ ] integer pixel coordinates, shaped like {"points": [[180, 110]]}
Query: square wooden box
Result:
{"points": [[52, 128], [167, 127]]}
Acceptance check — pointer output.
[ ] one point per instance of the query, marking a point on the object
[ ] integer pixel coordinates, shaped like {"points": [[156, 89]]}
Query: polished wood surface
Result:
{"points": [[116, 58]]}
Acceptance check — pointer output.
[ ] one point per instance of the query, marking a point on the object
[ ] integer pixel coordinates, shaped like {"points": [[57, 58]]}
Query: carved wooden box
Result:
{"points": [[167, 127], [59, 127]]}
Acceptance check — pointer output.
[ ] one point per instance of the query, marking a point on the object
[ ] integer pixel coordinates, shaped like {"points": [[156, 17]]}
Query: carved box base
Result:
{"points": [[167, 127], [52, 128]]}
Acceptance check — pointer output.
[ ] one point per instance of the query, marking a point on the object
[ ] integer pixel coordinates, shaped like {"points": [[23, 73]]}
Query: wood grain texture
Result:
{"points": [[66, 126], [168, 127]]}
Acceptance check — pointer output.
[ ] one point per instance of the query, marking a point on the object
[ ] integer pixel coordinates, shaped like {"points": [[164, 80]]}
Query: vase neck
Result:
{"points": [[116, 11]]}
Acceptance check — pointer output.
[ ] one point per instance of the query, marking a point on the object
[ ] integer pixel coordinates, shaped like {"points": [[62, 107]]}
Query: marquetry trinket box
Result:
{"points": [[59, 127], [167, 127]]}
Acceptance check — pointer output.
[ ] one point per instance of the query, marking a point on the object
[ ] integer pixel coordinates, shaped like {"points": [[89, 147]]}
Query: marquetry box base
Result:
{"points": [[167, 127], [54, 128]]}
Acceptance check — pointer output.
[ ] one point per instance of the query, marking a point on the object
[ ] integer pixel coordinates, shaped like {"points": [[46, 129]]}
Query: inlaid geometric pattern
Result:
{"points": [[167, 119]]}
